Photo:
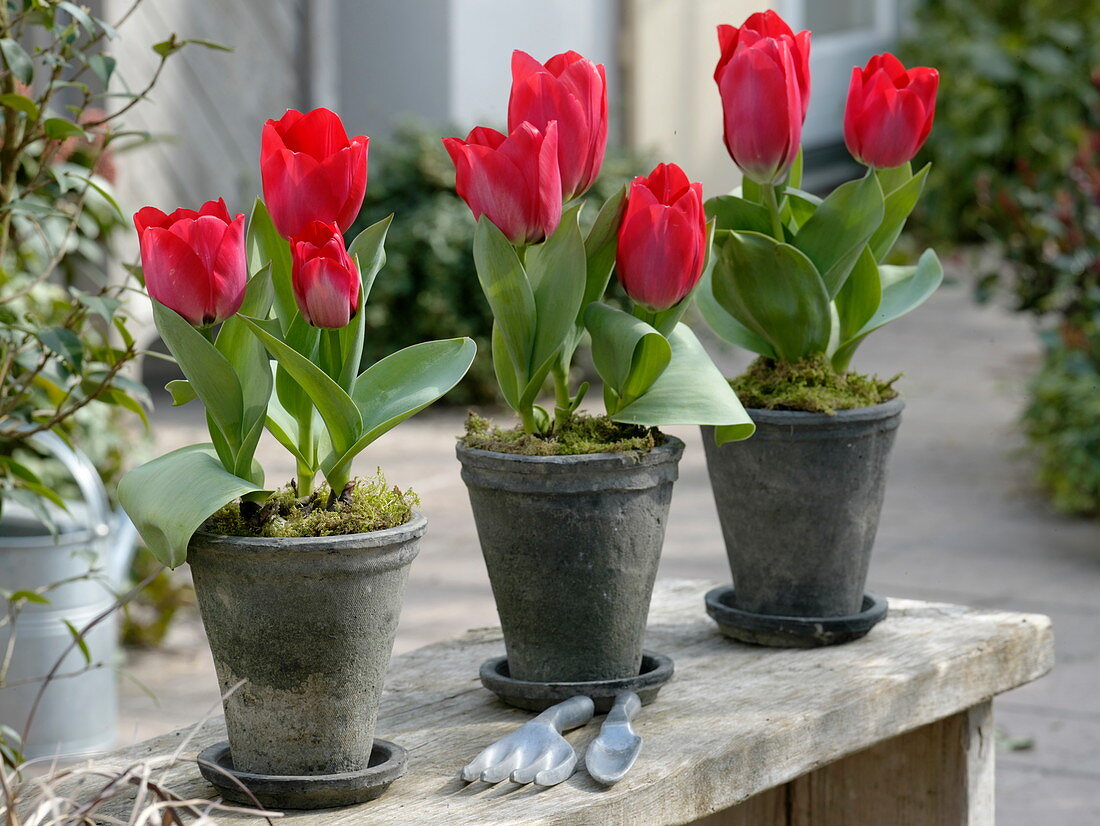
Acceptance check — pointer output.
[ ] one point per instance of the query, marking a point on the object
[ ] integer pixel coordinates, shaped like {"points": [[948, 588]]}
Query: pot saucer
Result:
{"points": [[791, 632], [312, 791], [537, 696]]}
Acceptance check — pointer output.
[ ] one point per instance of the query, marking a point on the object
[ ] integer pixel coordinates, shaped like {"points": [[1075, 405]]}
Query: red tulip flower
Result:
{"points": [[763, 77], [662, 238], [513, 181], [571, 90], [890, 111], [324, 276], [194, 261], [311, 171]]}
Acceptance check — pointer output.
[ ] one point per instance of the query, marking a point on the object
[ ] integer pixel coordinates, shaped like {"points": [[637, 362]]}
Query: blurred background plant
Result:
{"points": [[1016, 153], [429, 288]]}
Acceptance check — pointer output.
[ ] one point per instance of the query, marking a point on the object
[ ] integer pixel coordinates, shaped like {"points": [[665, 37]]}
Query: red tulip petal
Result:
{"points": [[175, 276], [524, 66], [318, 133], [149, 216], [484, 136]]}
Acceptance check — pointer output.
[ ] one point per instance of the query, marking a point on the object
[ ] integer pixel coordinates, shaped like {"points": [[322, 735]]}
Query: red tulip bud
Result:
{"points": [[890, 111], [662, 238], [311, 171], [194, 261], [324, 276], [571, 90], [763, 77], [514, 181]]}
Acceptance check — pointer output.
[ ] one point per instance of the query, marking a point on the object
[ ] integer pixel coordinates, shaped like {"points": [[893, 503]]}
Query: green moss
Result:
{"points": [[370, 504], [580, 434], [810, 385]]}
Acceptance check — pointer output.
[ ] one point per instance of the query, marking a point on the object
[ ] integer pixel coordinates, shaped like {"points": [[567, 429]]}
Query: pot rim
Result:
{"points": [[669, 451], [414, 528], [871, 413]]}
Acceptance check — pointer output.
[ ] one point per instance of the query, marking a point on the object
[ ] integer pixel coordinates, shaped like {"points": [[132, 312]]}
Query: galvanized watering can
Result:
{"points": [[91, 554]]}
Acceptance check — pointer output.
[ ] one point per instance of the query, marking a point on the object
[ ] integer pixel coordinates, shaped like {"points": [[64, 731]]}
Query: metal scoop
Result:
{"points": [[536, 751], [613, 752]]}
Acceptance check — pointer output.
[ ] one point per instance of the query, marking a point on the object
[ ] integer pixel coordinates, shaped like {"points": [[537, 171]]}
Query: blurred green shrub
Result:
{"points": [[1062, 422], [429, 288], [1017, 95]]}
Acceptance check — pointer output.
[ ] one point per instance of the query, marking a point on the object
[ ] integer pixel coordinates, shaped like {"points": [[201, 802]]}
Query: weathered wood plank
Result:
{"points": [[735, 721]]}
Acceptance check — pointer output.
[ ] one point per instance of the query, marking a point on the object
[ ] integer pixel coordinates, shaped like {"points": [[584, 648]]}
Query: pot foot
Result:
{"points": [[791, 632], [314, 791], [537, 696]]}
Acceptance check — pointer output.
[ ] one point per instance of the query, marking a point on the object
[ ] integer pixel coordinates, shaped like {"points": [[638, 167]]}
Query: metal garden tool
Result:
{"points": [[536, 752], [613, 752]]}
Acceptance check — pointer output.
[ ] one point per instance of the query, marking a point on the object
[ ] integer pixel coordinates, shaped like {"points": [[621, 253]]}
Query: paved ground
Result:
{"points": [[961, 523]]}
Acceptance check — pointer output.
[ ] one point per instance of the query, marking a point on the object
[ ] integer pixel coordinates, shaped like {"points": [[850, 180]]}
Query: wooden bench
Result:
{"points": [[892, 730]]}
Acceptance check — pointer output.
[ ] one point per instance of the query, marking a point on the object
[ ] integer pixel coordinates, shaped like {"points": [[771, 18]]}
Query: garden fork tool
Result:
{"points": [[536, 752]]}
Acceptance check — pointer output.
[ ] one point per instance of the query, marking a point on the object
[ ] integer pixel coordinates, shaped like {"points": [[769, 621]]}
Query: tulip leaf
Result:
{"points": [[628, 353], [833, 237], [210, 373], [557, 271], [335, 406], [691, 390], [891, 178], [401, 385], [369, 248], [181, 391], [723, 324], [860, 296], [800, 204], [266, 246], [508, 292], [170, 497], [794, 176], [600, 248], [731, 212], [899, 203], [903, 289], [506, 372], [774, 290]]}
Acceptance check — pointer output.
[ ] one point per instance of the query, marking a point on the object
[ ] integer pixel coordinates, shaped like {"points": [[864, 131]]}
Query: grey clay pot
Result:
{"points": [[572, 544], [799, 505], [308, 624]]}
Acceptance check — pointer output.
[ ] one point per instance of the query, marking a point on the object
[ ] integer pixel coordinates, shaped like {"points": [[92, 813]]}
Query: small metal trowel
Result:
{"points": [[613, 752]]}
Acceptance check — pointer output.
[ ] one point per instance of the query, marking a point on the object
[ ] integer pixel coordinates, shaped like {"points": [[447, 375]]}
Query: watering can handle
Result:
{"points": [[86, 477]]}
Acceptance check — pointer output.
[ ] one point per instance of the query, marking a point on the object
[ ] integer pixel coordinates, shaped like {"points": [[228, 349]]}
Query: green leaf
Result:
{"points": [[628, 353], [369, 247], [691, 390], [209, 371], [171, 496], [20, 103], [892, 178], [81, 643], [65, 344], [859, 297], [404, 383], [899, 203], [774, 290], [505, 370], [59, 129], [103, 66], [794, 176], [557, 271], [335, 406], [730, 212], [903, 289], [19, 63], [29, 596], [723, 324], [266, 246], [508, 291], [600, 248], [833, 237]]}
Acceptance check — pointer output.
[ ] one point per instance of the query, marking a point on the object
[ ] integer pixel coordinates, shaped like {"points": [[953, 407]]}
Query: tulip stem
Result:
{"points": [[527, 416], [772, 203], [563, 399]]}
